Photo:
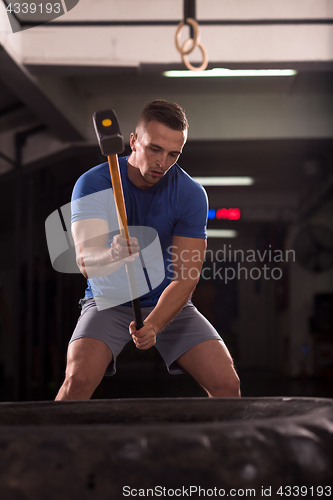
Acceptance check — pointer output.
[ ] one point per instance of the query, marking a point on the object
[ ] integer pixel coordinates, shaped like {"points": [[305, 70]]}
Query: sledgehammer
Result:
{"points": [[111, 143]]}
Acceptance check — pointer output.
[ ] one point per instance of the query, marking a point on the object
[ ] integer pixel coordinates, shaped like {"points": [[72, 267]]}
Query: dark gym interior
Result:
{"points": [[278, 130]]}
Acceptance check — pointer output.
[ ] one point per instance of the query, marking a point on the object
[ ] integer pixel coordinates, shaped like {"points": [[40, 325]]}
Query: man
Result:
{"points": [[158, 194]]}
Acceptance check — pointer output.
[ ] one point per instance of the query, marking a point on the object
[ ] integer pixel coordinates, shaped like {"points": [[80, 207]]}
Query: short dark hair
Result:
{"points": [[165, 112]]}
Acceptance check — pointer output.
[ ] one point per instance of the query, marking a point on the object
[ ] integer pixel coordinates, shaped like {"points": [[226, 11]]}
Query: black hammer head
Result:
{"points": [[108, 132]]}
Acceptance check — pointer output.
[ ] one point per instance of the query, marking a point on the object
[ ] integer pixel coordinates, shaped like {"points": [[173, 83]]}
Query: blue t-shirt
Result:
{"points": [[175, 206]]}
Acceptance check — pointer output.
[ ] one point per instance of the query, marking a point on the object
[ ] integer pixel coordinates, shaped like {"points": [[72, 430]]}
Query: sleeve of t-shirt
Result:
{"points": [[192, 221], [89, 203]]}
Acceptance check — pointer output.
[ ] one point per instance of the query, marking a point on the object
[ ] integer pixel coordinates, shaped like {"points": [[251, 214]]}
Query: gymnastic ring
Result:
{"points": [[204, 63], [194, 40]]}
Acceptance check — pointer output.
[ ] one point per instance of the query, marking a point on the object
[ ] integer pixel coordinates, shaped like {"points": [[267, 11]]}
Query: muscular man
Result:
{"points": [[160, 195]]}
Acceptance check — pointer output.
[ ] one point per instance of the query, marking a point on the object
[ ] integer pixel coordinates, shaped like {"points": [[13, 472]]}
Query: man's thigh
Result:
{"points": [[188, 329], [211, 365], [87, 356], [109, 326]]}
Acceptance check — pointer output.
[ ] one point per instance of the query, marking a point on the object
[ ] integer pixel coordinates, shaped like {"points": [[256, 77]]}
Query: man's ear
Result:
{"points": [[133, 139]]}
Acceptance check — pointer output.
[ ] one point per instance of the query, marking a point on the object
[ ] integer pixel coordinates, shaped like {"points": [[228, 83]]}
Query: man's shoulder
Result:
{"points": [[93, 180], [185, 181], [97, 173]]}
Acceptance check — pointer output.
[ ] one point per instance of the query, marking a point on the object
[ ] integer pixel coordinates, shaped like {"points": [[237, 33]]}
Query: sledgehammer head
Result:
{"points": [[108, 132]]}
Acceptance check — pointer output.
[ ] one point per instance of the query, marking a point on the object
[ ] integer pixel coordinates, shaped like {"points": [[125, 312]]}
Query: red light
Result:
{"points": [[234, 214], [228, 213], [222, 213]]}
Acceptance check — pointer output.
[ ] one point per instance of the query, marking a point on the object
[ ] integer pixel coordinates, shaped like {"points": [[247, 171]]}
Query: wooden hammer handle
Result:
{"points": [[118, 195], [122, 221]]}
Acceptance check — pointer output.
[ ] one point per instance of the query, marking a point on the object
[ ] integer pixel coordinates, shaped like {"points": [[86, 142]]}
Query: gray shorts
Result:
{"points": [[186, 330]]}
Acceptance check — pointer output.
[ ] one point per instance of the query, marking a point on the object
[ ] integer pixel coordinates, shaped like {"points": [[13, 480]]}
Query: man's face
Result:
{"points": [[155, 148]]}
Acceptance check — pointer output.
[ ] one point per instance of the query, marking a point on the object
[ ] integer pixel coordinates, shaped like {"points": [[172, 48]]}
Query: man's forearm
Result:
{"points": [[170, 303], [95, 262]]}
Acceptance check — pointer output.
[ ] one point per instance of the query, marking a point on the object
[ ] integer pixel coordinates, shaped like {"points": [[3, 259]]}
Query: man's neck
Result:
{"points": [[135, 176]]}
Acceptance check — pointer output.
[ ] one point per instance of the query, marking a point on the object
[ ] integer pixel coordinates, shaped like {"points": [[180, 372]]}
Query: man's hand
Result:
{"points": [[120, 248], [143, 338]]}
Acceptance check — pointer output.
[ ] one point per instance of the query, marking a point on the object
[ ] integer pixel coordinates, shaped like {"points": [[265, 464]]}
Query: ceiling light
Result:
{"points": [[221, 233], [224, 72], [224, 181]]}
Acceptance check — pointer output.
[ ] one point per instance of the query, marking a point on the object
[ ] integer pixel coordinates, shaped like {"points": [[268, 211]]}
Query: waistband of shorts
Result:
{"points": [[91, 300]]}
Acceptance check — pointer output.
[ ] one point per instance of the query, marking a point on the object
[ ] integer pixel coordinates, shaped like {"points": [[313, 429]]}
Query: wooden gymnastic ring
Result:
{"points": [[195, 40], [204, 63]]}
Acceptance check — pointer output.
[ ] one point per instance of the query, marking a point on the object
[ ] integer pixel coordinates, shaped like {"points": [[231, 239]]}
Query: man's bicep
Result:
{"points": [[90, 232]]}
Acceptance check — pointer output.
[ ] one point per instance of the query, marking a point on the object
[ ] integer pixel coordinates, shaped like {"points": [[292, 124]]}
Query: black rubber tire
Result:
{"points": [[93, 449]]}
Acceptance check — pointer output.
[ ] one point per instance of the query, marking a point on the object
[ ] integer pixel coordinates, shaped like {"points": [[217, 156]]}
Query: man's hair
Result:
{"points": [[165, 112]]}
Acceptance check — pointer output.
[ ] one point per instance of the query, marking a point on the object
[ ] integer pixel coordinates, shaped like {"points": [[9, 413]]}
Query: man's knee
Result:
{"points": [[225, 387], [76, 379], [80, 382]]}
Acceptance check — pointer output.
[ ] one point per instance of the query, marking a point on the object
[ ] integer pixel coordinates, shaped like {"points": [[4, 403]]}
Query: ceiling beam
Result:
{"points": [[166, 22], [30, 92]]}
